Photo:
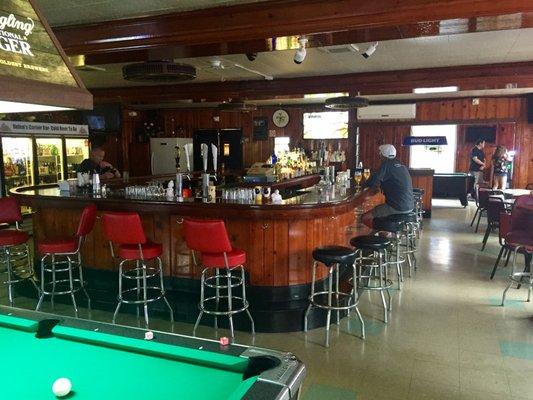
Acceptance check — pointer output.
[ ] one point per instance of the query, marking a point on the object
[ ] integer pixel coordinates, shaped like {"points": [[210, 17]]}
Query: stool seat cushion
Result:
{"points": [[57, 245], [520, 238], [407, 217], [330, 255], [12, 237], [131, 251], [216, 260], [387, 225], [369, 242]]}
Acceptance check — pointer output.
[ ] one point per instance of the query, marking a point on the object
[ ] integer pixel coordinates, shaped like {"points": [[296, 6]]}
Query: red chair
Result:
{"points": [[504, 227], [210, 239], [495, 206], [124, 229], [14, 246], [520, 240], [68, 249], [482, 192]]}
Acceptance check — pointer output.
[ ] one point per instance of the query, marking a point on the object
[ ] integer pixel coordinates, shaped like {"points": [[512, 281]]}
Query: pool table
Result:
{"points": [[105, 361], [456, 185]]}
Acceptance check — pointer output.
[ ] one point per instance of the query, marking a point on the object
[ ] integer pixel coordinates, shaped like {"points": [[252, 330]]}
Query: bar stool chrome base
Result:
{"points": [[72, 284], [144, 294], [377, 278], [225, 282], [334, 299], [10, 255], [524, 278]]}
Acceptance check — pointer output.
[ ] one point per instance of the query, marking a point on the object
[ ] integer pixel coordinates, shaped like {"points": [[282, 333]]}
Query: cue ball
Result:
{"points": [[62, 387]]}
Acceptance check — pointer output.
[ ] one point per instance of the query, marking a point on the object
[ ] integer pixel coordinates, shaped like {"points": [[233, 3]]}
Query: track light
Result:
{"points": [[300, 54], [371, 49]]}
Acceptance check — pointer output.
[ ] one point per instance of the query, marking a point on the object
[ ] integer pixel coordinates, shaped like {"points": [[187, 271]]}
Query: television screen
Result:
{"points": [[475, 133], [96, 122], [326, 125]]}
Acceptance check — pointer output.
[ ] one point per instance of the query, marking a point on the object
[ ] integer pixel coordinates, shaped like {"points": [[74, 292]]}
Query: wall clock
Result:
{"points": [[280, 118]]}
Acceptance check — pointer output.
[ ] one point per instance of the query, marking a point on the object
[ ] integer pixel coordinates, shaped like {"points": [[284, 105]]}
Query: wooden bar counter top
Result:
{"points": [[278, 238]]}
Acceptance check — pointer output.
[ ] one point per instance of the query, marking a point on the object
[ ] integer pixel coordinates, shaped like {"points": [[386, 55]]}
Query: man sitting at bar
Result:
{"points": [[95, 164], [393, 178]]}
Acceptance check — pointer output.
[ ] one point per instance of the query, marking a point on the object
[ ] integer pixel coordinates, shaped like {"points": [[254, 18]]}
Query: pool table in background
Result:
{"points": [[454, 186], [105, 361]]}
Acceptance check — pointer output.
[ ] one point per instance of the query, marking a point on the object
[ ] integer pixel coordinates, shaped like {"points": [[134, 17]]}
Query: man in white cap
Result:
{"points": [[394, 179]]}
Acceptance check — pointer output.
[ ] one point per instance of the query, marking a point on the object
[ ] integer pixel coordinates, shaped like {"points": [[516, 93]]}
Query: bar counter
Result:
{"points": [[278, 240]]}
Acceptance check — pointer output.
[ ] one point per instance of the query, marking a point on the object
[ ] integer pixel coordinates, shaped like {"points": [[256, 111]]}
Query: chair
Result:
{"points": [[125, 230], [520, 240], [504, 227], [14, 247], [482, 199], [332, 257], [495, 206], [67, 248], [210, 239]]}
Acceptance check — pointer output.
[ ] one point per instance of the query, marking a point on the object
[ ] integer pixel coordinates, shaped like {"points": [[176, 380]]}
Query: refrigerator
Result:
{"points": [[17, 160], [163, 153], [76, 151], [49, 160], [31, 160]]}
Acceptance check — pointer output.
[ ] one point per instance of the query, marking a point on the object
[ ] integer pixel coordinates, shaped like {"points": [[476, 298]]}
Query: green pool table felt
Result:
{"points": [[106, 366]]}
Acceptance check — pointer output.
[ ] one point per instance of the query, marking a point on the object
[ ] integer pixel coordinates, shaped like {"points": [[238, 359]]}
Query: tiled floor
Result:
{"points": [[448, 338]]}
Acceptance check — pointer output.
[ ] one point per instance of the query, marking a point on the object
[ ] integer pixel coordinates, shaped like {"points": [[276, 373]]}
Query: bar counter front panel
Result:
{"points": [[278, 240]]}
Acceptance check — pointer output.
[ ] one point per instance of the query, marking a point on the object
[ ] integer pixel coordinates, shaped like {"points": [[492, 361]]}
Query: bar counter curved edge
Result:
{"points": [[278, 239]]}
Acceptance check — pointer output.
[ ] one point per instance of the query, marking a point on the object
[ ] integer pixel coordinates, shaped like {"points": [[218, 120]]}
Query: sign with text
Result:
{"points": [[26, 49], [42, 128], [425, 140]]}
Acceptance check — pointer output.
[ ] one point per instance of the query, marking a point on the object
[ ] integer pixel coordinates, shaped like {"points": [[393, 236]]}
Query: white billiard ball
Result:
{"points": [[62, 387]]}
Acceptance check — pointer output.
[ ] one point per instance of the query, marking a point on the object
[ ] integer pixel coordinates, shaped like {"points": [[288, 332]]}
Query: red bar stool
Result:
{"points": [[210, 239], [68, 250], [14, 246], [125, 230]]}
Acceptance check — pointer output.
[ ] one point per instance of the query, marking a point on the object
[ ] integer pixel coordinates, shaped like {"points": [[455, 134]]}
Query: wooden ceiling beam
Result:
{"points": [[473, 77], [259, 21]]}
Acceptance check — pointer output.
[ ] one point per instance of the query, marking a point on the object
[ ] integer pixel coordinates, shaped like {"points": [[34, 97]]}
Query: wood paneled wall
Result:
{"points": [[508, 114], [183, 122]]}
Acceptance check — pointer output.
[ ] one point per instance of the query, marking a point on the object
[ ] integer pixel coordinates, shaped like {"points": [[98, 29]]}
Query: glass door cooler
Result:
{"points": [[18, 162], [49, 160], [77, 150]]}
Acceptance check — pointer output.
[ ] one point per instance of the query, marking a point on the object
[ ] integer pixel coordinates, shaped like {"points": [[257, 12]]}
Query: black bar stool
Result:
{"points": [[373, 267], [409, 245], [333, 257], [395, 229]]}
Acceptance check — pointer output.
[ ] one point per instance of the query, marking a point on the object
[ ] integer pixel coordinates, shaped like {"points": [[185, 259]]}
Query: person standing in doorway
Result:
{"points": [[500, 161], [477, 163]]}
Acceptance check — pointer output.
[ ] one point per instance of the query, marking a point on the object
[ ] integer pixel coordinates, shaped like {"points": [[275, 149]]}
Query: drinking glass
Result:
{"points": [[358, 177], [366, 174]]}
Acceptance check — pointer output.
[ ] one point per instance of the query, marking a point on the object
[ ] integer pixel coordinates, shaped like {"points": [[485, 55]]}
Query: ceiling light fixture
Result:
{"points": [[301, 52], [346, 102], [370, 50]]}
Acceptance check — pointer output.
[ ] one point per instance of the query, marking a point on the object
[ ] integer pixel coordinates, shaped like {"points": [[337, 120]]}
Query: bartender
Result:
{"points": [[95, 164]]}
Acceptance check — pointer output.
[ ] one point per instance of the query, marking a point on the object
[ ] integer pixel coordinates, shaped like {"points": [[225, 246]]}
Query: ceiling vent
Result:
{"points": [[343, 49], [158, 71]]}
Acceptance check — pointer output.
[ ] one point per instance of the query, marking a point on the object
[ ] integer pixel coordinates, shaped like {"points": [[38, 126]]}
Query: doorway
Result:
{"points": [[440, 158]]}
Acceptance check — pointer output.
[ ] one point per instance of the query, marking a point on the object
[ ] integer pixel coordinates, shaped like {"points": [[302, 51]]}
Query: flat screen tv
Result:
{"points": [[475, 133], [96, 122], [326, 125]]}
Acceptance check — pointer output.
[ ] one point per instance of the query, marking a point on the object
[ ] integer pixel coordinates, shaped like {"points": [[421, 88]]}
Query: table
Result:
{"points": [[105, 361], [456, 185], [512, 193]]}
